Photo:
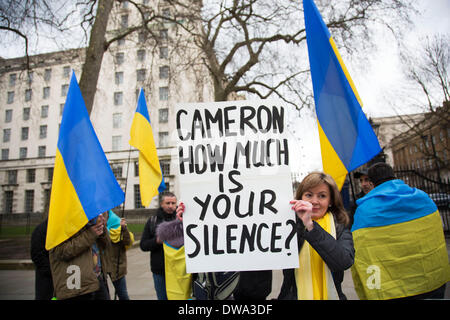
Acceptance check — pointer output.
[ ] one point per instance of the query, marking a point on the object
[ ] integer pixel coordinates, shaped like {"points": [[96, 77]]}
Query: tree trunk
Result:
{"points": [[94, 53]]}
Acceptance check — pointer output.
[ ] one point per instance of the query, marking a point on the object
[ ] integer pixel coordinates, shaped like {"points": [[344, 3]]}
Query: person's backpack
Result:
{"points": [[215, 285]]}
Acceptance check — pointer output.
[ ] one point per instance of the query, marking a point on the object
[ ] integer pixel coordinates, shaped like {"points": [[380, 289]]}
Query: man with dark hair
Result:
{"points": [[366, 186], [399, 241], [150, 242]]}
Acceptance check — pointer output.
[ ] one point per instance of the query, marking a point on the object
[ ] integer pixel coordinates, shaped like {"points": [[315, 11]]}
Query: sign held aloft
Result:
{"points": [[233, 159]]}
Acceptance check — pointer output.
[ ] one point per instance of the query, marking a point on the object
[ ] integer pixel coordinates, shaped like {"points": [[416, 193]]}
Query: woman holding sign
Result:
{"points": [[328, 249]]}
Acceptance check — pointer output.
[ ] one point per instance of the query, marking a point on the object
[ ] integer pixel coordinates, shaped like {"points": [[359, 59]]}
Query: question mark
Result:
{"points": [[291, 235]]}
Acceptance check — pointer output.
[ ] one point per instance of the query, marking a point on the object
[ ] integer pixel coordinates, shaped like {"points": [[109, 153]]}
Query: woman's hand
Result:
{"points": [[180, 210], [303, 209]]}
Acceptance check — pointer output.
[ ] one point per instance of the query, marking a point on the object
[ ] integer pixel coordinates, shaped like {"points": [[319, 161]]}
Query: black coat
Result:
{"points": [[148, 240], [337, 253], [39, 256]]}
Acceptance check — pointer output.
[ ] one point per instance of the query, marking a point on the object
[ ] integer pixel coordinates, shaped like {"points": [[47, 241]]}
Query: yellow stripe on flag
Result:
{"points": [[400, 260], [150, 175], [70, 217], [332, 165]]}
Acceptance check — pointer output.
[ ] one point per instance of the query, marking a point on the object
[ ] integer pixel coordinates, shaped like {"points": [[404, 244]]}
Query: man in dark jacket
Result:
{"points": [[39, 256], [150, 242], [366, 186]]}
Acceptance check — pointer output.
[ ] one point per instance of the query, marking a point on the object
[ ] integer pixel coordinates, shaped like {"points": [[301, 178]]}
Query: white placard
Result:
{"points": [[233, 161]]}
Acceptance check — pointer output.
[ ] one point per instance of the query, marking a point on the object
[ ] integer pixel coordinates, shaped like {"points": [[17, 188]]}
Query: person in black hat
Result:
{"points": [[379, 173], [366, 185]]}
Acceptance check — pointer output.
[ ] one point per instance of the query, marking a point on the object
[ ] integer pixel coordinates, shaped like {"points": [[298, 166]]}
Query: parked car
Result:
{"points": [[441, 199]]}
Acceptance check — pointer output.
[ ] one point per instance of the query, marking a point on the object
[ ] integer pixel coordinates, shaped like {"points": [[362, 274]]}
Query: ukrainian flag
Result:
{"points": [[151, 180], [346, 138], [83, 184], [400, 248]]}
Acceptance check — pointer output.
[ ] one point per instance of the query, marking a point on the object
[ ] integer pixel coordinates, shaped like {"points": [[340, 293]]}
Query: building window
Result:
{"points": [[163, 52], [12, 176], [47, 74], [30, 77], [117, 170], [117, 120], [140, 74], [64, 90], [61, 108], [165, 167], [116, 143], [163, 139], [29, 201], [8, 196], [8, 115], [47, 194], [24, 133], [10, 98], [163, 115], [41, 151], [137, 197], [142, 37], [166, 13], [45, 92], [28, 94], [23, 152], [26, 113], [164, 34], [120, 58], [164, 72], [66, 72], [120, 42], [44, 111], [12, 79], [5, 154], [31, 175], [141, 55], [164, 93], [136, 168], [6, 135], [43, 132], [124, 21], [118, 98], [119, 77], [49, 174]]}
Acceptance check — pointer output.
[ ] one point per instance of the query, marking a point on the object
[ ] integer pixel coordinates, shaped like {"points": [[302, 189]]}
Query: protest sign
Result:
{"points": [[233, 160]]}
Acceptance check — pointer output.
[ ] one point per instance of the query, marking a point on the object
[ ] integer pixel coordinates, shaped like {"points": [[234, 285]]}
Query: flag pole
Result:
{"points": [[126, 183], [122, 216]]}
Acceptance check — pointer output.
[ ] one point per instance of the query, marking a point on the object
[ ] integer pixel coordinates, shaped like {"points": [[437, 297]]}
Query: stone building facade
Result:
{"points": [[32, 101]]}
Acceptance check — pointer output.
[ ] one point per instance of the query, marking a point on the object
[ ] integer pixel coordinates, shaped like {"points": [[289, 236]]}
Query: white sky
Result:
{"points": [[384, 74]]}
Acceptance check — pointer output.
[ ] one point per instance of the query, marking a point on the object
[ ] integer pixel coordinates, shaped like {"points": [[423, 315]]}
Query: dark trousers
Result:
{"points": [[101, 294]]}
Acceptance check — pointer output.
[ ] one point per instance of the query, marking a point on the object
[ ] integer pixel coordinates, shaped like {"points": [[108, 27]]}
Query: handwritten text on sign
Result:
{"points": [[233, 159]]}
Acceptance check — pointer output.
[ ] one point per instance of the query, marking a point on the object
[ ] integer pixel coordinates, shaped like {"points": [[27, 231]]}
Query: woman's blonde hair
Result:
{"points": [[312, 180]]}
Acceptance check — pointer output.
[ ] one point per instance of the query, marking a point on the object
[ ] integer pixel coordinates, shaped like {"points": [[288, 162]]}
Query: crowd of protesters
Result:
{"points": [[376, 232]]}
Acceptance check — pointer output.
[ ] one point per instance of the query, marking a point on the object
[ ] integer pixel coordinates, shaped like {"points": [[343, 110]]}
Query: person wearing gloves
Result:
{"points": [[178, 282]]}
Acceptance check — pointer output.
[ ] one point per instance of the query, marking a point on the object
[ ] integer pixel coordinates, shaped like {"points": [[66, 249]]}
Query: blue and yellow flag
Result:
{"points": [[346, 138], [400, 249], [83, 184], [151, 180]]}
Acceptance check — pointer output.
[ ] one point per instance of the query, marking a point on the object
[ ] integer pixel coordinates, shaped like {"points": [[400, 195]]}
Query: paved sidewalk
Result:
{"points": [[19, 284]]}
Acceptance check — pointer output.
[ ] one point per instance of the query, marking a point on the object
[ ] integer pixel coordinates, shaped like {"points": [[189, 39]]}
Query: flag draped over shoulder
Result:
{"points": [[83, 184], [346, 137], [151, 180], [400, 248]]}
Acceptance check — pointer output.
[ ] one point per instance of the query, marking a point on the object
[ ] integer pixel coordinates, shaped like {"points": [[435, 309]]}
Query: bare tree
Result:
{"points": [[427, 70], [255, 47], [259, 47]]}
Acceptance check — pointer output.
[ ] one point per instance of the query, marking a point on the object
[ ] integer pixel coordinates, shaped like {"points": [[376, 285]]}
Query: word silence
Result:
{"points": [[237, 213]]}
